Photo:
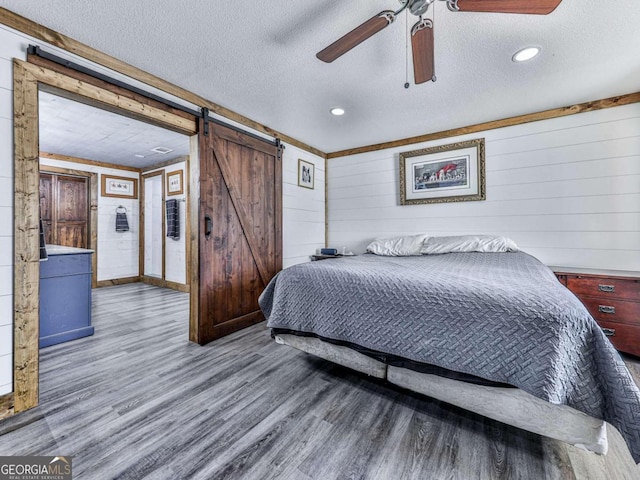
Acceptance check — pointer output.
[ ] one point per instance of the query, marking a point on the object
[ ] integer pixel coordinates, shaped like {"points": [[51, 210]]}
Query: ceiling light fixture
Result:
{"points": [[138, 155], [337, 111], [525, 54]]}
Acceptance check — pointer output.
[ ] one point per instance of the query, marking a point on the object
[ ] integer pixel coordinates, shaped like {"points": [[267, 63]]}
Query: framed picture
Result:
{"points": [[121, 187], [174, 183], [306, 173], [446, 173]]}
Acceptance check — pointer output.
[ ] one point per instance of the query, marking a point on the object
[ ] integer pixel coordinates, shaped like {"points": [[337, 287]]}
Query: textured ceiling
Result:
{"points": [[78, 130], [258, 59]]}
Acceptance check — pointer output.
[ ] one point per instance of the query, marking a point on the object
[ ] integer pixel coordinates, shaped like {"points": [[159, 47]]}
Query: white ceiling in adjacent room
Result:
{"points": [[74, 129], [258, 59]]}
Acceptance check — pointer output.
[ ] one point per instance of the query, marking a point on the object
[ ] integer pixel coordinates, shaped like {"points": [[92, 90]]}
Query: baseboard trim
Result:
{"points": [[117, 281], [158, 282]]}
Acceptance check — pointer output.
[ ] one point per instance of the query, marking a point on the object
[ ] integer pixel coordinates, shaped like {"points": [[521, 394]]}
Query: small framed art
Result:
{"points": [[120, 187], [306, 173], [175, 185]]}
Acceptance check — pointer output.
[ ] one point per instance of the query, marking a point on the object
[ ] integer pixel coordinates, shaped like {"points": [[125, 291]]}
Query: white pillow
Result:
{"points": [[468, 243], [402, 246]]}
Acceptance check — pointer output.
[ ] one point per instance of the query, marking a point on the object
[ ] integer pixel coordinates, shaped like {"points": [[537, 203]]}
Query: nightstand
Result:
{"points": [[614, 302]]}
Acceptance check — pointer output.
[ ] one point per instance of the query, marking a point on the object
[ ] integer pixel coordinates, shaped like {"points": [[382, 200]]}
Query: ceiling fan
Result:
{"points": [[422, 31]]}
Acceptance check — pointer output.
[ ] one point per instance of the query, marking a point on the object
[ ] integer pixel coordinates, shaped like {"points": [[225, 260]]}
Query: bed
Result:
{"points": [[494, 333]]}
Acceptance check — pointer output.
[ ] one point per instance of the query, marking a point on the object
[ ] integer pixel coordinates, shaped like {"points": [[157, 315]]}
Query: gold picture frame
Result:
{"points": [[442, 174], [119, 187], [175, 183]]}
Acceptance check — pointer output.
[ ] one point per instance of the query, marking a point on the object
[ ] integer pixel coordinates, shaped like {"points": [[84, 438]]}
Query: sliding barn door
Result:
{"points": [[240, 230]]}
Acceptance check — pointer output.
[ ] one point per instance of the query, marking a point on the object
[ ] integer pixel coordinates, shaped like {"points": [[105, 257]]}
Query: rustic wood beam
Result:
{"points": [[26, 288]]}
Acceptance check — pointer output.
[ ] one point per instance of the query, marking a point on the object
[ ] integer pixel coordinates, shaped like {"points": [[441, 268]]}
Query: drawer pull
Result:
{"points": [[609, 332], [607, 288], [606, 309]]}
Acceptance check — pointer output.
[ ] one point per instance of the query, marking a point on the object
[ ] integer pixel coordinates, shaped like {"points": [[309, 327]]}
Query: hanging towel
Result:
{"points": [[122, 225], [173, 219], [43, 246]]}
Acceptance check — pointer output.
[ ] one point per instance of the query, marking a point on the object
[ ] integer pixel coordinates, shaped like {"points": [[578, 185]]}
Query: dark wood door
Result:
{"points": [[240, 231], [64, 208]]}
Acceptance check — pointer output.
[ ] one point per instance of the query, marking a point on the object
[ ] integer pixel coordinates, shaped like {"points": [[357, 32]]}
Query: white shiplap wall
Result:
{"points": [[117, 251], [9, 48], [567, 190], [303, 208], [303, 216]]}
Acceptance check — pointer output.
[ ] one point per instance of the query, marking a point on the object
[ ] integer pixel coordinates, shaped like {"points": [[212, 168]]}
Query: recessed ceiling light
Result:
{"points": [[162, 150], [525, 54], [337, 111], [138, 155]]}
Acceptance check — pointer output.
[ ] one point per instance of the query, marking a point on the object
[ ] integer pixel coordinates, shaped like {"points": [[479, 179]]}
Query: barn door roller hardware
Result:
{"points": [[203, 113]]}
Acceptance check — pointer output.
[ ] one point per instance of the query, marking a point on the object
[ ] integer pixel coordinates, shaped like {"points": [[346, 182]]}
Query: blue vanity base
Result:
{"points": [[65, 295]]}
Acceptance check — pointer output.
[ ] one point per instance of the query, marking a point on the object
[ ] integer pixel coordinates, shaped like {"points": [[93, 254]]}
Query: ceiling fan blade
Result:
{"points": [[356, 36], [422, 48], [535, 7]]}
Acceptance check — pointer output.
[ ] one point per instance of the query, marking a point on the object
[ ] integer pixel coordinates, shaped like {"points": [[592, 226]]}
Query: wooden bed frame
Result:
{"points": [[512, 406]]}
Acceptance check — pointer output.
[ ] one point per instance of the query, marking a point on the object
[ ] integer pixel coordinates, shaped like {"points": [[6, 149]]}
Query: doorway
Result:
{"points": [[239, 169], [28, 81], [51, 208], [64, 209], [152, 226]]}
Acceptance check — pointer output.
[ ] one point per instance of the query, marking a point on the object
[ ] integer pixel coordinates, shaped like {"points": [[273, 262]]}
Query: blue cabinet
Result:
{"points": [[65, 295]]}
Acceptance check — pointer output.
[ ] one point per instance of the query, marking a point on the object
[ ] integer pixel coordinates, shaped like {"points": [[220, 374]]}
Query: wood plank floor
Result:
{"points": [[137, 400]]}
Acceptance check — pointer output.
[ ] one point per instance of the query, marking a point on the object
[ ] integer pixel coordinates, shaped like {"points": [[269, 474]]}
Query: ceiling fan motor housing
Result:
{"points": [[419, 7]]}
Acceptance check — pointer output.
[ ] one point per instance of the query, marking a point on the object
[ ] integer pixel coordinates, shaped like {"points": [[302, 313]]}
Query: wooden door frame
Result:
{"points": [[28, 78], [92, 234], [192, 172], [143, 177]]}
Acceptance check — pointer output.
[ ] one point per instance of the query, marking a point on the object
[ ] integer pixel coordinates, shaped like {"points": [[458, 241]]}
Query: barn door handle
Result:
{"points": [[208, 226]]}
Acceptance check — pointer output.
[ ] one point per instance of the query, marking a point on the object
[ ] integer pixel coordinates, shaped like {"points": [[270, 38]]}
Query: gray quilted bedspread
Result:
{"points": [[500, 316]]}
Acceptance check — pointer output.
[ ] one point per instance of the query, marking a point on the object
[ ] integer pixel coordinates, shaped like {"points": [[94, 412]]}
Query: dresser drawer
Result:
{"points": [[628, 289], [614, 302], [625, 338], [612, 310]]}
